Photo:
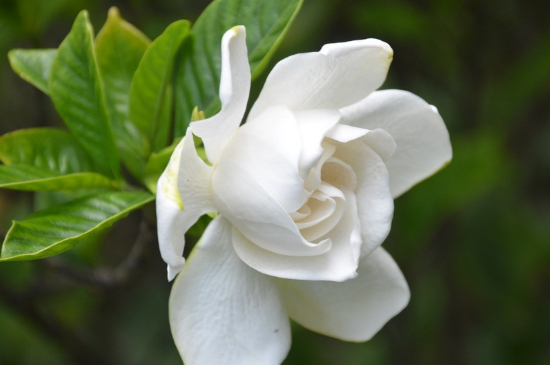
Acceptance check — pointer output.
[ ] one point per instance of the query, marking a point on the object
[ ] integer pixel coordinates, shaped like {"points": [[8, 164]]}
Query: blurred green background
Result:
{"points": [[473, 241]]}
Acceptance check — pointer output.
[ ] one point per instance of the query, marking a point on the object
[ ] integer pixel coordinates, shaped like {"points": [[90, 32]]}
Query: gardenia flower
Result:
{"points": [[304, 191]]}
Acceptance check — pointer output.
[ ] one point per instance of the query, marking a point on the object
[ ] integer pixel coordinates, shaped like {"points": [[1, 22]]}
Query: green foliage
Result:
{"points": [[47, 159], [76, 90], [46, 148], [74, 222], [119, 48], [115, 95], [150, 94], [33, 65], [198, 73], [28, 177]]}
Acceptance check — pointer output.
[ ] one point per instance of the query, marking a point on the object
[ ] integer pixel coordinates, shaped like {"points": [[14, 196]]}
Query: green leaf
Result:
{"points": [[28, 177], [47, 148], [33, 65], [77, 93], [57, 229], [120, 47], [47, 159], [150, 95], [156, 165], [198, 72]]}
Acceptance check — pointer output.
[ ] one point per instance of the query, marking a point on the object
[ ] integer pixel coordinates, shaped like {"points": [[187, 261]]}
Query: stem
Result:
{"points": [[106, 278]]}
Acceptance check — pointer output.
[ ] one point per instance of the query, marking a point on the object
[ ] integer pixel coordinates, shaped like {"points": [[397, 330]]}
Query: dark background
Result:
{"points": [[473, 241]]}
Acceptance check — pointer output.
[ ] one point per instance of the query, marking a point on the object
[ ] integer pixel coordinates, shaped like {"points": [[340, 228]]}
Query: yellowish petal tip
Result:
{"points": [[238, 29]]}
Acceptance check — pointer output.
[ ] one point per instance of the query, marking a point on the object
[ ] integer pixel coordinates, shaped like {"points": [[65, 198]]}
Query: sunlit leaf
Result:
{"points": [[47, 159], [33, 65], [47, 148], [77, 93], [28, 177], [119, 47], [150, 94]]}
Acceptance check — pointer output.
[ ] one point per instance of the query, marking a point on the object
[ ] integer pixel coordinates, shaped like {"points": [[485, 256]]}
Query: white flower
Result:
{"points": [[305, 194]]}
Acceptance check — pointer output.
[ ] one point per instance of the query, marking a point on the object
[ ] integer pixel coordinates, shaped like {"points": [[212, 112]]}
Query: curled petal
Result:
{"points": [[183, 195], [268, 149], [257, 184], [339, 75], [374, 199], [354, 310], [234, 90], [258, 216], [223, 312], [338, 264], [314, 125], [423, 145]]}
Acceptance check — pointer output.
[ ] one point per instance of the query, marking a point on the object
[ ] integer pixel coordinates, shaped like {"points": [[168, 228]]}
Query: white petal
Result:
{"points": [[423, 144], [354, 310], [338, 264], [339, 75], [183, 195], [256, 185], [339, 174], [322, 223], [314, 125], [374, 199], [257, 215], [268, 149], [345, 133], [170, 233], [381, 142], [313, 181], [222, 312], [234, 91], [320, 206], [378, 139]]}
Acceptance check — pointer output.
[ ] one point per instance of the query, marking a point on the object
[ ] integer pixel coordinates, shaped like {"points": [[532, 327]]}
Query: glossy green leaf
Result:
{"points": [[28, 177], [150, 94], [198, 72], [57, 229], [47, 159], [76, 90], [33, 65], [46, 148], [119, 48]]}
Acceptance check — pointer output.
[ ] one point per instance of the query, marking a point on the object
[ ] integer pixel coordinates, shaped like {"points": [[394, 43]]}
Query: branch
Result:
{"points": [[107, 278]]}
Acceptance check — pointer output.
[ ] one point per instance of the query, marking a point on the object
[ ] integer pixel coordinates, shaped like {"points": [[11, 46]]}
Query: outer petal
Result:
{"points": [[338, 264], [423, 144], [374, 200], [222, 312], [183, 195], [353, 310], [234, 90], [339, 75]]}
